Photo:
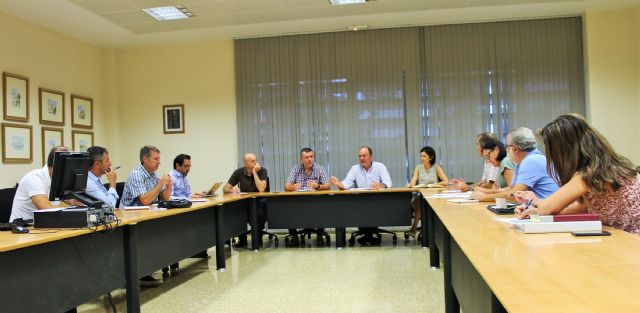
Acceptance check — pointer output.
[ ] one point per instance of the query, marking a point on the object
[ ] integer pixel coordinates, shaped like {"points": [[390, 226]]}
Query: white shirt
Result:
{"points": [[358, 177], [490, 172], [36, 182]]}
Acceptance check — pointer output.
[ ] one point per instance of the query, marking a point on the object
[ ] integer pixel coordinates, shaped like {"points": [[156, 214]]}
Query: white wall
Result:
{"points": [[53, 61], [200, 76], [612, 51]]}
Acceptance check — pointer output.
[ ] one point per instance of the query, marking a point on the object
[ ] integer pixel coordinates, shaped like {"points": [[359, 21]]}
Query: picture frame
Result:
{"points": [[173, 118], [81, 140], [51, 137], [52, 109], [15, 97], [81, 111], [17, 143]]}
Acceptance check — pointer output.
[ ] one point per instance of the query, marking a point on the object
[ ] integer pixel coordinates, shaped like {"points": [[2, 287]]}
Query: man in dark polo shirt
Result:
{"points": [[250, 178]]}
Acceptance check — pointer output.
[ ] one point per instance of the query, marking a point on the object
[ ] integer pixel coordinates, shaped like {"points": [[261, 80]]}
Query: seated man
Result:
{"points": [[33, 190], [101, 165], [531, 168], [143, 187], [367, 174], [307, 176], [250, 178], [181, 188]]}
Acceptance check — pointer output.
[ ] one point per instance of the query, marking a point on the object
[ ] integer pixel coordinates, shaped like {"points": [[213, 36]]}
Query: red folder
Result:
{"points": [[576, 217]]}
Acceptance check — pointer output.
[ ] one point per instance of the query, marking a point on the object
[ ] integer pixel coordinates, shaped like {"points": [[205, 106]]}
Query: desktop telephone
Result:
{"points": [[175, 204]]}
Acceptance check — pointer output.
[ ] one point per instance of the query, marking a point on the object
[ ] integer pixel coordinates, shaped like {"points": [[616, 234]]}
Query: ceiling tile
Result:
{"points": [[398, 6], [311, 12], [257, 5], [143, 4], [101, 6], [129, 17], [145, 28], [268, 16], [225, 20], [212, 8], [290, 4]]}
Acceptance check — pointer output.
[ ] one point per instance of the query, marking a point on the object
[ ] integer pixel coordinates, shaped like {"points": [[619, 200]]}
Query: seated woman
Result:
{"points": [[427, 173], [592, 176], [496, 154]]}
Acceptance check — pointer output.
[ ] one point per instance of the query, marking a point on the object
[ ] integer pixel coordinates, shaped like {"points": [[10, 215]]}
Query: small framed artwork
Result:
{"points": [[173, 118], [82, 140], [15, 97], [51, 137], [17, 142], [51, 107], [81, 112]]}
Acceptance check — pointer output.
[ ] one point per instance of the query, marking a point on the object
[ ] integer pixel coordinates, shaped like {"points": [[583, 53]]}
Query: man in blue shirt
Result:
{"points": [[101, 165], [366, 175], [181, 188], [531, 168]]}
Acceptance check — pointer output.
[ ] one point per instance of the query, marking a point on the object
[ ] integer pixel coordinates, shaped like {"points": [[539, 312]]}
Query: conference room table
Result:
{"points": [[55, 270], [490, 267]]}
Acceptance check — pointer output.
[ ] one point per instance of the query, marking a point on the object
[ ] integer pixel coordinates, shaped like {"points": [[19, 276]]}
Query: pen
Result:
{"points": [[117, 167], [528, 204]]}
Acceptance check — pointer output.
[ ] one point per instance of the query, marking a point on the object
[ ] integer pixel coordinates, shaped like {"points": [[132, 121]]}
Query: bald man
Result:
{"points": [[250, 178]]}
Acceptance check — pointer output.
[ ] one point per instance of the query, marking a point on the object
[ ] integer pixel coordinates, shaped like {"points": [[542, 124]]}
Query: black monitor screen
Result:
{"points": [[70, 171]]}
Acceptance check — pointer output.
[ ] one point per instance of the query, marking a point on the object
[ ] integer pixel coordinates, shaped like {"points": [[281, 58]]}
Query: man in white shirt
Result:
{"points": [[370, 175], [33, 189], [101, 165]]}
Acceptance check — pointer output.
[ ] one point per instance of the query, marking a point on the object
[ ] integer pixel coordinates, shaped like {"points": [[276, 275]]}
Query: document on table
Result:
{"points": [[198, 200], [462, 200], [461, 195], [136, 207]]}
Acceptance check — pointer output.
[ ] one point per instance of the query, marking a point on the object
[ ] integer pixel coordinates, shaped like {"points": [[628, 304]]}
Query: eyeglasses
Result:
{"points": [[507, 147]]}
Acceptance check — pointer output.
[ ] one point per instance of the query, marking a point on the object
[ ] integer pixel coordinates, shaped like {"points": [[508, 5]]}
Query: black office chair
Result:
{"points": [[376, 231], [307, 232], [271, 236], [119, 191], [6, 202]]}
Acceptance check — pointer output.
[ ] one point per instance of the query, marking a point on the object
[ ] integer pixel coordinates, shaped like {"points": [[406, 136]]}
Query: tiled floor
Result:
{"points": [[387, 278]]}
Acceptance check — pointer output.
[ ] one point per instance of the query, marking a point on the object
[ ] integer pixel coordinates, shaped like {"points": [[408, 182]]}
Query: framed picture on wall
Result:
{"points": [[51, 137], [173, 118], [15, 97], [81, 111], [82, 140], [51, 107], [17, 143]]}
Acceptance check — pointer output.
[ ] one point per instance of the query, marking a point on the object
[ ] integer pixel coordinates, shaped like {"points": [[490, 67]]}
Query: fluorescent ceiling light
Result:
{"points": [[341, 2], [169, 13]]}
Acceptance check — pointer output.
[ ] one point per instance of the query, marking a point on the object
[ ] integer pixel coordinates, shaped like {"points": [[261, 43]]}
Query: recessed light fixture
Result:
{"points": [[169, 13], [341, 2]]}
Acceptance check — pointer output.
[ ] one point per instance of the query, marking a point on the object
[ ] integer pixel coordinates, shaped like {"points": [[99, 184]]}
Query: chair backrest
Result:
{"points": [[268, 186], [6, 202], [119, 191]]}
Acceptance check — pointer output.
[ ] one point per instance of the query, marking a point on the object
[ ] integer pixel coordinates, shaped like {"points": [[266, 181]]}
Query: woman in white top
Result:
{"points": [[428, 173]]}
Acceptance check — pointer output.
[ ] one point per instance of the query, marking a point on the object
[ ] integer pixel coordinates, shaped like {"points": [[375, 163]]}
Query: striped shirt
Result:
{"points": [[96, 189], [138, 183], [299, 176]]}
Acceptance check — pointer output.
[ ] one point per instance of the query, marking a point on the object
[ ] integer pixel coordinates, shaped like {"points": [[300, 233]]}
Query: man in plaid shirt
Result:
{"points": [[307, 176]]}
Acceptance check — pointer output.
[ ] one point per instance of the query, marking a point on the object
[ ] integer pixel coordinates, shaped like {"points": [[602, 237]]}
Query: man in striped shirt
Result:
{"points": [[143, 187]]}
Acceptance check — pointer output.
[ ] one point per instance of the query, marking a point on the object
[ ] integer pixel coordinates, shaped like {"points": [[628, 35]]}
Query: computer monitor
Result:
{"points": [[69, 178]]}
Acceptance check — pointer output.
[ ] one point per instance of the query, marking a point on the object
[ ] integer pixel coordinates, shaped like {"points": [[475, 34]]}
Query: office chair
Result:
{"points": [[307, 232], [271, 236], [119, 191], [377, 232]]}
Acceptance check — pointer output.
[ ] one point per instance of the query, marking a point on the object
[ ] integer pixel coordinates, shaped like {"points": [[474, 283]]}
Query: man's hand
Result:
{"points": [[235, 190], [256, 168], [478, 195], [457, 184], [312, 184], [112, 177], [166, 179], [378, 186]]}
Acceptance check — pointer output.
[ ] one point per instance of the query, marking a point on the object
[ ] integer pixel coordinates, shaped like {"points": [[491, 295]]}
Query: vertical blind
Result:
{"points": [[397, 90]]}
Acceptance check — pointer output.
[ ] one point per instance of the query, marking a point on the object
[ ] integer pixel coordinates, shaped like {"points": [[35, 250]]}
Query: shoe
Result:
{"points": [[411, 233], [294, 242], [320, 240], [175, 268], [149, 281], [242, 242]]}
